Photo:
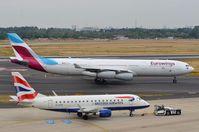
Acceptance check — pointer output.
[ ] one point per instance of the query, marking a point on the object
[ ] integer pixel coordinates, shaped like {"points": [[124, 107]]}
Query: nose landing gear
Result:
{"points": [[174, 80], [131, 113]]}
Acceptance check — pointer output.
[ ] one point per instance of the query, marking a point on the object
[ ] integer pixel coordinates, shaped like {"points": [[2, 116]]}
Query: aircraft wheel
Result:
{"points": [[85, 117], [131, 114], [100, 81], [174, 80], [79, 114]]}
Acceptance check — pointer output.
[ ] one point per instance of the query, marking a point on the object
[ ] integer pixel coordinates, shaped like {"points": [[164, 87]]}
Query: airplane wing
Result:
{"points": [[102, 68], [89, 109]]}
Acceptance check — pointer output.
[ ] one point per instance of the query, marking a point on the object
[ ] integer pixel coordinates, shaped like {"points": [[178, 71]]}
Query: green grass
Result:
{"points": [[4, 99]]}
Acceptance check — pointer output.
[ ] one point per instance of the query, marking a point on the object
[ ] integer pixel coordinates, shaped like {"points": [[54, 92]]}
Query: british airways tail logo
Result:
{"points": [[23, 89]]}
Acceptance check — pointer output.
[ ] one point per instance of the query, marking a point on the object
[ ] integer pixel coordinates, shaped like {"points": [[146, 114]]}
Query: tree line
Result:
{"points": [[133, 33]]}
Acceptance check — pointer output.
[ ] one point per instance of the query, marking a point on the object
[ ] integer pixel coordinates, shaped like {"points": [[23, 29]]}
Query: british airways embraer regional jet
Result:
{"points": [[100, 69], [100, 105]]}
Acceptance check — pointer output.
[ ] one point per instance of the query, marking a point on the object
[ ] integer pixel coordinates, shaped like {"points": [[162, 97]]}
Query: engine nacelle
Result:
{"points": [[105, 113], [124, 76], [106, 74]]}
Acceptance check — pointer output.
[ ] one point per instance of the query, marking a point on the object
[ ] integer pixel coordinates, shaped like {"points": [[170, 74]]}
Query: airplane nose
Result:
{"points": [[192, 69], [146, 104]]}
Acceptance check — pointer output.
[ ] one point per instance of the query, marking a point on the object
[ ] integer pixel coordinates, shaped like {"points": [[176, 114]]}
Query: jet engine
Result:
{"points": [[124, 76], [105, 113], [106, 74], [113, 75]]}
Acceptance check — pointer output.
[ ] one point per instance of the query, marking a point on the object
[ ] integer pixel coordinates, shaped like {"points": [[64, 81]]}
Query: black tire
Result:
{"points": [[85, 117], [168, 113], [178, 112], [100, 81], [131, 114], [79, 114], [174, 81], [96, 81]]}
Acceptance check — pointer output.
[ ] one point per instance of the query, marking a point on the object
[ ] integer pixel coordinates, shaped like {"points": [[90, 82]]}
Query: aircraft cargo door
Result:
{"points": [[50, 103]]}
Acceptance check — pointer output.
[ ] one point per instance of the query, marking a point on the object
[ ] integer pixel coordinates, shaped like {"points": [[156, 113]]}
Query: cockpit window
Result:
{"points": [[187, 66]]}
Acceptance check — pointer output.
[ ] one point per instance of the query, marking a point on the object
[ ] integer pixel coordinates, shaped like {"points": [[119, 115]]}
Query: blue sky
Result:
{"points": [[100, 13]]}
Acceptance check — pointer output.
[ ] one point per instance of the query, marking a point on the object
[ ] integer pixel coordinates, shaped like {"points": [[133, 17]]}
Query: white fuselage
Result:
{"points": [[74, 103], [137, 67]]}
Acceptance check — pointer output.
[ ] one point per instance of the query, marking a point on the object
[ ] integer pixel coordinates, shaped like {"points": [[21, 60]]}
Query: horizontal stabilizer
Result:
{"points": [[13, 98]]}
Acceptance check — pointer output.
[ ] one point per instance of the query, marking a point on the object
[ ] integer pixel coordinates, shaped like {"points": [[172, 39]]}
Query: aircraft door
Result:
{"points": [[50, 103], [131, 101]]}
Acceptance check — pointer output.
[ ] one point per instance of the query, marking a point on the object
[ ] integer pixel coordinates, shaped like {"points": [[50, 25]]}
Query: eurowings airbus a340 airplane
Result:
{"points": [[100, 105], [100, 69]]}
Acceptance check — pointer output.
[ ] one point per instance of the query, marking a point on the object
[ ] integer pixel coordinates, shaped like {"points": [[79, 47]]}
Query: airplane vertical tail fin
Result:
{"points": [[20, 48], [23, 89], [24, 55]]}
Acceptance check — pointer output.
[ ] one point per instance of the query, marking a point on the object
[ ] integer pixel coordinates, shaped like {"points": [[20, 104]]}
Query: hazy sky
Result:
{"points": [[100, 13]]}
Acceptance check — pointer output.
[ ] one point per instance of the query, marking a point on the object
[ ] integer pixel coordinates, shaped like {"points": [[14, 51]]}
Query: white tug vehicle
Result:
{"points": [[166, 111]]}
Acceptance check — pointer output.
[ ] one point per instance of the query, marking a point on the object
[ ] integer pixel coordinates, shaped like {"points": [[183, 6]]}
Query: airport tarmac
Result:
{"points": [[32, 119], [45, 83]]}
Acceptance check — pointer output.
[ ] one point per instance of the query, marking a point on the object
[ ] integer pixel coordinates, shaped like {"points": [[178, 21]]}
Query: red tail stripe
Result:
{"points": [[127, 97], [26, 55], [19, 80], [27, 96]]}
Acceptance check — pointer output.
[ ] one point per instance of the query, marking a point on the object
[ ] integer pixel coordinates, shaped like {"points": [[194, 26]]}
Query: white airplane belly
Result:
{"points": [[63, 69]]}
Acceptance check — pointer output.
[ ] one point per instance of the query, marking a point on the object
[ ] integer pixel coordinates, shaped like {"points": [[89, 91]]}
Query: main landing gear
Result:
{"points": [[174, 80], [80, 114], [85, 117], [100, 81]]}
